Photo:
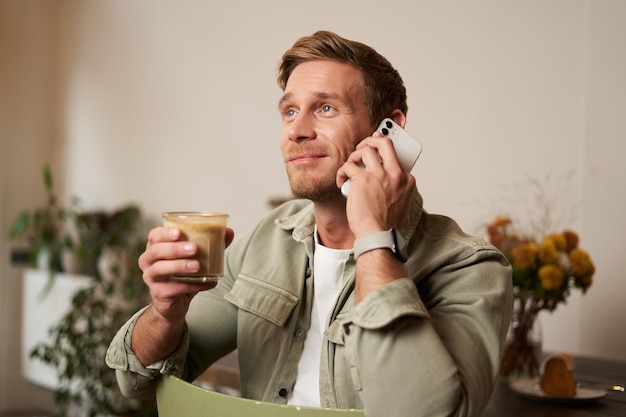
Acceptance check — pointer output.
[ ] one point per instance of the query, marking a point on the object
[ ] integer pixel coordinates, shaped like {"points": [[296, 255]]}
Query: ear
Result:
{"points": [[398, 116]]}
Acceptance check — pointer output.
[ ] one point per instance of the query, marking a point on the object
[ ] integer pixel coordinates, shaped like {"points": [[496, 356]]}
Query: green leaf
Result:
{"points": [[20, 225], [47, 177]]}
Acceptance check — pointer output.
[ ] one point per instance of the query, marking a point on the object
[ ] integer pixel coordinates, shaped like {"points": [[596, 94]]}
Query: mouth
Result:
{"points": [[304, 158]]}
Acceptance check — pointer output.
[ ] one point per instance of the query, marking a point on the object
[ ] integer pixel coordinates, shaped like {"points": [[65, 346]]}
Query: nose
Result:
{"points": [[302, 127]]}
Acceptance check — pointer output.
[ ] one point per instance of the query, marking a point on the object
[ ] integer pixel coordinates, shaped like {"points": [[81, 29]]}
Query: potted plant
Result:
{"points": [[79, 340], [106, 245], [95, 232], [44, 230]]}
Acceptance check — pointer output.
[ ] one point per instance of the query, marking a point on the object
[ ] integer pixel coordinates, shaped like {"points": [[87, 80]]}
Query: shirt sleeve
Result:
{"points": [[210, 333], [134, 379], [433, 346]]}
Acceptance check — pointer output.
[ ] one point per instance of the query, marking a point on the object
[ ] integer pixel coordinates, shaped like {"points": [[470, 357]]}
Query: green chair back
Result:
{"points": [[177, 398]]}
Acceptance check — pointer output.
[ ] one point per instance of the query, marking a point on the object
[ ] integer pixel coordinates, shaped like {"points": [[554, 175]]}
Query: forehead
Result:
{"points": [[325, 76]]}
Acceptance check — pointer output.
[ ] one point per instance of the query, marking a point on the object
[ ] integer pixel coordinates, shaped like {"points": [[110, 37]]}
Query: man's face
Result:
{"points": [[324, 116]]}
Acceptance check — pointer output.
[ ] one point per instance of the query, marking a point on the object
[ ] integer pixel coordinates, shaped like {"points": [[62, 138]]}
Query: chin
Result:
{"points": [[317, 194], [316, 187]]}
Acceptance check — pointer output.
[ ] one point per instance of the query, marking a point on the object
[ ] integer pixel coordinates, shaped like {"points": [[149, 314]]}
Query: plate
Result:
{"points": [[530, 388]]}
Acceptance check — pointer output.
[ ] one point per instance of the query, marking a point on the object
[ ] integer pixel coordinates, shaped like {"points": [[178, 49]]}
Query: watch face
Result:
{"points": [[399, 245]]}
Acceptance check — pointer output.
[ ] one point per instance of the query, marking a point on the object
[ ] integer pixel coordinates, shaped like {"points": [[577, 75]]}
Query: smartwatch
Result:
{"points": [[390, 239]]}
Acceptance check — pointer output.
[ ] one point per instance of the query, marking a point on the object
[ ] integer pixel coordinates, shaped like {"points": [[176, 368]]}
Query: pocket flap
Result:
{"points": [[265, 300]]}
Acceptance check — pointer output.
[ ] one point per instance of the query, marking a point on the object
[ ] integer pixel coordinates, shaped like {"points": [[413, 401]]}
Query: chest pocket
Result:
{"points": [[262, 299]]}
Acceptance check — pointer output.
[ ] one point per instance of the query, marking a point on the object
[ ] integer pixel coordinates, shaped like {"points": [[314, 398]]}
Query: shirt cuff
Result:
{"points": [[120, 355], [388, 303]]}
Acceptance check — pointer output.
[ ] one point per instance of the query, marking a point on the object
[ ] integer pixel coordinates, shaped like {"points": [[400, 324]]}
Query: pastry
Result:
{"points": [[557, 376]]}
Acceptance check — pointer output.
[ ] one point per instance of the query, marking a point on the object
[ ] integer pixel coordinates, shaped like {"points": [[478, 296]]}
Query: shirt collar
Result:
{"points": [[302, 222]]}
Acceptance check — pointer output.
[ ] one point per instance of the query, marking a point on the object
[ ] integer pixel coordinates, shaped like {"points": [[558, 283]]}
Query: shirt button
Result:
{"points": [[300, 334], [282, 392], [307, 273]]}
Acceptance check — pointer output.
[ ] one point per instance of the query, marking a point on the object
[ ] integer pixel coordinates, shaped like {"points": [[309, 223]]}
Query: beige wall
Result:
{"points": [[26, 91], [605, 174], [173, 105]]}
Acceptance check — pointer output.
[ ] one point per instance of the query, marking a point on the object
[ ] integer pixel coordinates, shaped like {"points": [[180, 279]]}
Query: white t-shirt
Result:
{"points": [[328, 267]]}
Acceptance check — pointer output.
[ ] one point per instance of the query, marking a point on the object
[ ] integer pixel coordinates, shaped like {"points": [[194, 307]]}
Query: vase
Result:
{"points": [[39, 315], [44, 259], [523, 346]]}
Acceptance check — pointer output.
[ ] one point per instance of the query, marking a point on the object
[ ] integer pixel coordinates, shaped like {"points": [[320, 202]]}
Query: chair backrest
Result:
{"points": [[177, 398]]}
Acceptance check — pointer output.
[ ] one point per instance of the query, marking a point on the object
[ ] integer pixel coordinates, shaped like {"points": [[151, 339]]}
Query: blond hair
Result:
{"points": [[383, 87]]}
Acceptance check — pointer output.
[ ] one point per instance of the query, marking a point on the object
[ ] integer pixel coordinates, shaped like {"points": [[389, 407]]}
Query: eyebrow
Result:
{"points": [[284, 98], [318, 95]]}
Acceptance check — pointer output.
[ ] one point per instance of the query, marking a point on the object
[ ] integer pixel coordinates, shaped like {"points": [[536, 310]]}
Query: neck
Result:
{"points": [[332, 226]]}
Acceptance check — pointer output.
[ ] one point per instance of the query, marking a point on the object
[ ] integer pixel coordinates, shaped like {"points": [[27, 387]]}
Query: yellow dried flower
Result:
{"points": [[551, 277], [544, 271], [524, 255], [497, 230], [501, 221], [581, 263], [572, 240], [558, 239], [548, 252]]}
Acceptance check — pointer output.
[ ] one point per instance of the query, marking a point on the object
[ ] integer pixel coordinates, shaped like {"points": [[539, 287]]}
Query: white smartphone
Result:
{"points": [[408, 149]]}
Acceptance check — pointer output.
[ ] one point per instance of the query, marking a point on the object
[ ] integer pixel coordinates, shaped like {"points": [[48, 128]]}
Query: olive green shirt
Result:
{"points": [[425, 345]]}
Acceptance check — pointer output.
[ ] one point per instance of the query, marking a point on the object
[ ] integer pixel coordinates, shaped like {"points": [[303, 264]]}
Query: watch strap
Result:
{"points": [[378, 240]]}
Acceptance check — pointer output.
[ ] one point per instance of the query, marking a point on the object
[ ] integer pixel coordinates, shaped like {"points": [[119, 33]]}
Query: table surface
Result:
{"points": [[505, 402]]}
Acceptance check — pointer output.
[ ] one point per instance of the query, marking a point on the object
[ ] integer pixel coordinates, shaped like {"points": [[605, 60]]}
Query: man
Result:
{"points": [[312, 325]]}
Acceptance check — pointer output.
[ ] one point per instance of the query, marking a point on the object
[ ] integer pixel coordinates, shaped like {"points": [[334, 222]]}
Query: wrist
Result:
{"points": [[387, 239], [154, 336]]}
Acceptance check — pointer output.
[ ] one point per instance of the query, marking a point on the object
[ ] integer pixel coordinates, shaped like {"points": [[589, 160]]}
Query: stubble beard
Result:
{"points": [[314, 189]]}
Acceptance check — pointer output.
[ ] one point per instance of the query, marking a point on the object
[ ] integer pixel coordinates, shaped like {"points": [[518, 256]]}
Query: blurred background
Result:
{"points": [[173, 105]]}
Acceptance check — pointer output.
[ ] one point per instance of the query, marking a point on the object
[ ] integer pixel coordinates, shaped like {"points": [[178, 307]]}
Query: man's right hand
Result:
{"points": [[158, 331]]}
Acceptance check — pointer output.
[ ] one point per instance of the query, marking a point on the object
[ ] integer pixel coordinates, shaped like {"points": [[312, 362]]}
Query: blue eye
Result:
{"points": [[289, 114], [327, 108]]}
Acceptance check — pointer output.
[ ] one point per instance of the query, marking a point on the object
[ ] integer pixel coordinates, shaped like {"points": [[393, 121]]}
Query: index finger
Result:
{"points": [[164, 234], [385, 148], [366, 141]]}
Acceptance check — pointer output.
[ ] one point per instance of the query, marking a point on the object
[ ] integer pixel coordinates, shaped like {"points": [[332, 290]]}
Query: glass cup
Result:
{"points": [[206, 230]]}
